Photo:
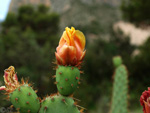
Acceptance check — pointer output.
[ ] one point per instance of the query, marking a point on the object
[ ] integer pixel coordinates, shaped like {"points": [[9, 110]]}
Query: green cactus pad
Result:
{"points": [[58, 104], [117, 61], [67, 79], [25, 99], [120, 91]]}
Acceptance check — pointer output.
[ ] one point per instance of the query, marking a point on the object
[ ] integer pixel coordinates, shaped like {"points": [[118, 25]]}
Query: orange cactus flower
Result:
{"points": [[145, 101], [11, 80], [70, 50]]}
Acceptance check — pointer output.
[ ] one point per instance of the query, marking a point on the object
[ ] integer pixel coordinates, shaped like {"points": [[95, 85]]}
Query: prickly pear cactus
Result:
{"points": [[69, 56], [120, 90], [25, 99], [58, 104], [117, 61], [67, 79]]}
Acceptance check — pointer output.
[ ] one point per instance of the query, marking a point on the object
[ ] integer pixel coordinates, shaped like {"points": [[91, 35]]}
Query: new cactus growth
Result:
{"points": [[58, 104], [117, 61], [67, 79], [120, 89], [25, 99]]}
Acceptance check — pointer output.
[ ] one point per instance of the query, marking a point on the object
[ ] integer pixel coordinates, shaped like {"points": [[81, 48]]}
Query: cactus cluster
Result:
{"points": [[69, 56], [120, 87]]}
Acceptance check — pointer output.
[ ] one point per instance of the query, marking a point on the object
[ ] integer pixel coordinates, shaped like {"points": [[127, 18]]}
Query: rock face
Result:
{"points": [[62, 6], [17, 3], [78, 12]]}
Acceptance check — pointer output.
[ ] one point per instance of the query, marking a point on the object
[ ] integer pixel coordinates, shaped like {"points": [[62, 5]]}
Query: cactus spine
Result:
{"points": [[120, 87]]}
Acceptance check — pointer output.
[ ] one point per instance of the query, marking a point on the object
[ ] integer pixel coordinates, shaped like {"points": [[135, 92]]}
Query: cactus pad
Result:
{"points": [[58, 104], [25, 99], [67, 79]]}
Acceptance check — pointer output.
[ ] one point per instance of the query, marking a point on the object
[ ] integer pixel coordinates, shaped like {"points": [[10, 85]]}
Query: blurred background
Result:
{"points": [[30, 31]]}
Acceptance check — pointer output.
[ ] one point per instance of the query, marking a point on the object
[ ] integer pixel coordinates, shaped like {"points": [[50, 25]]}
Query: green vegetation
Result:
{"points": [[27, 40], [136, 11]]}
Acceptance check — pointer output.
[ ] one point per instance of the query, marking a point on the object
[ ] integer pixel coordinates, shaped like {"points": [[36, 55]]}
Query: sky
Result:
{"points": [[4, 5]]}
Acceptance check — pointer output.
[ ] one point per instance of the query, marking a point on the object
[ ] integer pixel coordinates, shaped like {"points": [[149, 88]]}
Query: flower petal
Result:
{"points": [[147, 107], [2, 88], [59, 59], [79, 39], [67, 53]]}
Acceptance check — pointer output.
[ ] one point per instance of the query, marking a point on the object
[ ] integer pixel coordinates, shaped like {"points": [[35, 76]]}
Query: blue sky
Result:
{"points": [[4, 5]]}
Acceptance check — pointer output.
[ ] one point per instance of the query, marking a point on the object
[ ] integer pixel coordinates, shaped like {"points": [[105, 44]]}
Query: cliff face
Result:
{"points": [[85, 12], [78, 12], [62, 6], [17, 3]]}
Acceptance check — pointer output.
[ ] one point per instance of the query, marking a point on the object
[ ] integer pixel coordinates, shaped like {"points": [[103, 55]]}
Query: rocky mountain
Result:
{"points": [[96, 14], [63, 5]]}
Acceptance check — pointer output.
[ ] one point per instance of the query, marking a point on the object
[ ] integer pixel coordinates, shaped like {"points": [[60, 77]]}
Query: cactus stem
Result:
{"points": [[72, 68], [79, 83], [27, 102], [61, 87], [29, 111]]}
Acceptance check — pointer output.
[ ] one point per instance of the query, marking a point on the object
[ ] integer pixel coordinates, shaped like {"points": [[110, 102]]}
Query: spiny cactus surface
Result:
{"points": [[25, 99], [120, 90], [58, 104], [67, 79]]}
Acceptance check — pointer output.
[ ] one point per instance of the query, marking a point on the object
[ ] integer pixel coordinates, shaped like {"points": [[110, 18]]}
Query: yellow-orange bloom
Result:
{"points": [[70, 50]]}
